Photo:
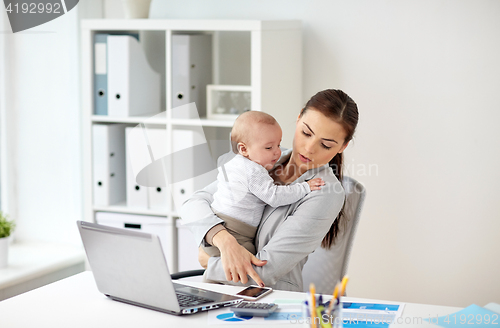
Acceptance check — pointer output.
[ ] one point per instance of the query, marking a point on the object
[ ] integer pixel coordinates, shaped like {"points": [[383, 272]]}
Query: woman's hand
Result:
{"points": [[203, 257], [236, 260]]}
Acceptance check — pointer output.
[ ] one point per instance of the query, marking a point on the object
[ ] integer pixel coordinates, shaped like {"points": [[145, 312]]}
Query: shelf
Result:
{"points": [[189, 24], [131, 119], [123, 208], [162, 121], [203, 122], [265, 55]]}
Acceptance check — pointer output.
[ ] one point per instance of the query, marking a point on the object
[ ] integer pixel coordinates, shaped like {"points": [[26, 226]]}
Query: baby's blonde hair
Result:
{"points": [[246, 124]]}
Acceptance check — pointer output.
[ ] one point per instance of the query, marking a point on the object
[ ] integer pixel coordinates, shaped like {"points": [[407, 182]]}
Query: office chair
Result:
{"points": [[325, 267], [186, 274]]}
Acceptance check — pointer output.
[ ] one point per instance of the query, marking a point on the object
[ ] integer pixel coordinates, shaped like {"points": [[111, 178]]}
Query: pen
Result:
{"points": [[312, 290], [334, 299], [344, 283]]}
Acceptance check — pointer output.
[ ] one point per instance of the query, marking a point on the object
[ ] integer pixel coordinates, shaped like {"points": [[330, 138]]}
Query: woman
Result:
{"points": [[286, 234]]}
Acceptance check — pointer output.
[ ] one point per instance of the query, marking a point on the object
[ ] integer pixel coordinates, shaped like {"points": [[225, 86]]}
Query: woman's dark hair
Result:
{"points": [[338, 106]]}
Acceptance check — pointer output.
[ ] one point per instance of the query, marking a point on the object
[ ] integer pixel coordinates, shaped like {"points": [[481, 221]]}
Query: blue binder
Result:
{"points": [[101, 71], [100, 74]]}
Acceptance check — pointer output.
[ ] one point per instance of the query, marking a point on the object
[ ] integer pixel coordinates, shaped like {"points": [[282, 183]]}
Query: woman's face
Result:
{"points": [[317, 140]]}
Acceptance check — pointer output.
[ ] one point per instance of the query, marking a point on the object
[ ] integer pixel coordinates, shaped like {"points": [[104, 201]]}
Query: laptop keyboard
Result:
{"points": [[192, 300]]}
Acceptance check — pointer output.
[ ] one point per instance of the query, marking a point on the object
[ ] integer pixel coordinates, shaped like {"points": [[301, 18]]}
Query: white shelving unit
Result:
{"points": [[266, 55]]}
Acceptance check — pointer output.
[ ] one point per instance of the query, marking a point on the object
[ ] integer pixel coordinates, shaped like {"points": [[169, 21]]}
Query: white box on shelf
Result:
{"points": [[227, 102], [161, 226]]}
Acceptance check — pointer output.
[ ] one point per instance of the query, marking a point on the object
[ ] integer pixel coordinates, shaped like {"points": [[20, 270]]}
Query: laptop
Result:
{"points": [[130, 267]]}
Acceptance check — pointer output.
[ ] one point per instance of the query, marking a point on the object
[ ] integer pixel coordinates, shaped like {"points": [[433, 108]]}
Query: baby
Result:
{"points": [[244, 184]]}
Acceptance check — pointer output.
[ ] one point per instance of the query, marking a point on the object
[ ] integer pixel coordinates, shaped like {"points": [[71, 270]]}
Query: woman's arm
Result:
{"points": [[198, 216], [297, 236]]}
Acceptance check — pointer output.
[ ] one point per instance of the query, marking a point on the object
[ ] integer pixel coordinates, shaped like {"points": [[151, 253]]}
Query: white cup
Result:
{"points": [[136, 8]]}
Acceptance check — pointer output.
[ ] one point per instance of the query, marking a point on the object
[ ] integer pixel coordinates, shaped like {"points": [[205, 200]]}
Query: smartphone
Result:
{"points": [[253, 293]]}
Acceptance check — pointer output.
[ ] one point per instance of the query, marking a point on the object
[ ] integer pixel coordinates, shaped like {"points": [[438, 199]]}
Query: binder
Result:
{"points": [[108, 161], [144, 145], [157, 194], [188, 168], [136, 147], [191, 149], [101, 72], [191, 72], [133, 86]]}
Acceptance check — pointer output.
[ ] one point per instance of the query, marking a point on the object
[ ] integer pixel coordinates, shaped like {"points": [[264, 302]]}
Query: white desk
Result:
{"points": [[75, 302]]}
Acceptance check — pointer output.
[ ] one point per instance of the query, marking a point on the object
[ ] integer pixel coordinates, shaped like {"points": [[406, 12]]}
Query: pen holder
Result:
{"points": [[322, 318], [335, 317]]}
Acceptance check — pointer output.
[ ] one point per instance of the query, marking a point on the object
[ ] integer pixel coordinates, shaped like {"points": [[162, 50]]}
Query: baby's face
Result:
{"points": [[264, 147]]}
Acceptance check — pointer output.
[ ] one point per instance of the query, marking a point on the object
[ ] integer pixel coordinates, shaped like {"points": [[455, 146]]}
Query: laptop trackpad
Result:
{"points": [[190, 290]]}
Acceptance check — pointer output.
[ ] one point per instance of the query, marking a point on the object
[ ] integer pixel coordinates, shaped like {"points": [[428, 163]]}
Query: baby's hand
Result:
{"points": [[315, 184]]}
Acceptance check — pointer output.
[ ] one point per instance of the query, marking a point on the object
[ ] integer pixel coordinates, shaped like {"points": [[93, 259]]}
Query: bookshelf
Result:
{"points": [[265, 55]]}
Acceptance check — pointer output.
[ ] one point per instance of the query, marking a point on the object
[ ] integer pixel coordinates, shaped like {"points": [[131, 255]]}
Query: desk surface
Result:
{"points": [[75, 302]]}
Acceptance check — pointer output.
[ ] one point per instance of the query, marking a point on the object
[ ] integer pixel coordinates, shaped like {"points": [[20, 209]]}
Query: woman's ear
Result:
{"points": [[343, 147], [300, 114], [242, 149]]}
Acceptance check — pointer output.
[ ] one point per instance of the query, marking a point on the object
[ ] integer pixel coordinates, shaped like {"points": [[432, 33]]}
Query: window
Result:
{"points": [[3, 29]]}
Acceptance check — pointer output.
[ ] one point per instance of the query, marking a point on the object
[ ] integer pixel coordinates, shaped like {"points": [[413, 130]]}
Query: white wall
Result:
{"points": [[4, 200], [426, 77], [43, 130]]}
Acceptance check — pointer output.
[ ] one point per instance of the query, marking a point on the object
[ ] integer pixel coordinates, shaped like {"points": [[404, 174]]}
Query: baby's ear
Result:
{"points": [[242, 149]]}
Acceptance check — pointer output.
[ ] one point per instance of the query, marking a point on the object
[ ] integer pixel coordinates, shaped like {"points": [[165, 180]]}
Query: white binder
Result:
{"points": [[137, 196], [108, 161], [144, 145], [182, 190], [191, 72], [157, 195], [133, 86]]}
